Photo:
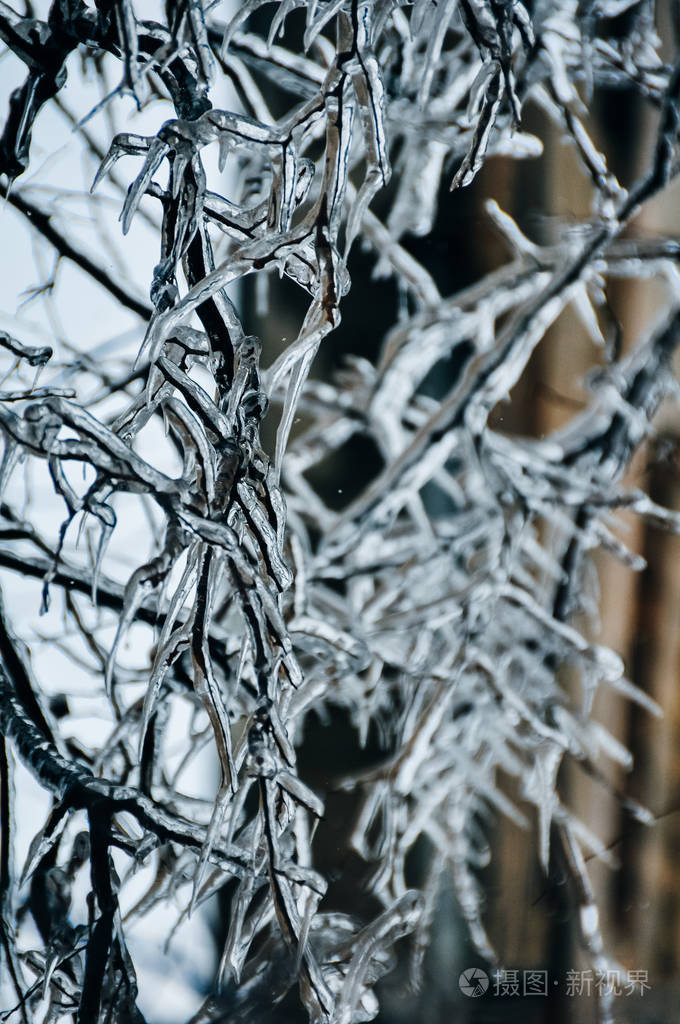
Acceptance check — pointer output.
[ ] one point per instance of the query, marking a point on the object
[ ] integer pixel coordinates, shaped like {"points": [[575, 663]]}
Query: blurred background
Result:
{"points": [[528, 915]]}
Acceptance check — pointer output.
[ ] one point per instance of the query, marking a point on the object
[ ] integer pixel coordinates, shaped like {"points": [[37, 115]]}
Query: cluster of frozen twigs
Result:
{"points": [[260, 603]]}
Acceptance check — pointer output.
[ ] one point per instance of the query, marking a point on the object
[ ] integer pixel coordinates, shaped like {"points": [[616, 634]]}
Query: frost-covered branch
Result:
{"points": [[437, 607]]}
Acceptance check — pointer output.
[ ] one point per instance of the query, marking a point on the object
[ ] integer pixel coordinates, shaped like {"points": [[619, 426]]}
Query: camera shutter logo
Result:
{"points": [[473, 982]]}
